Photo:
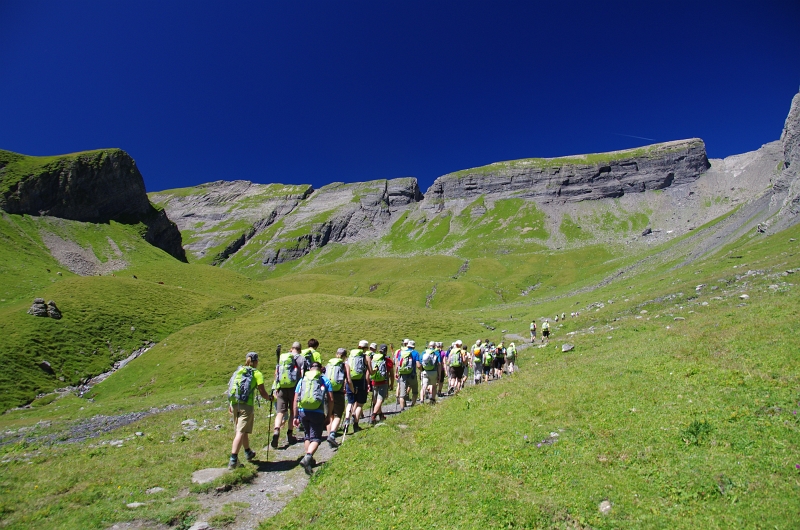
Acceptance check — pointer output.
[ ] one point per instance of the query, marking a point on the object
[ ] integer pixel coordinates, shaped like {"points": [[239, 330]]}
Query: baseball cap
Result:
{"points": [[363, 344]]}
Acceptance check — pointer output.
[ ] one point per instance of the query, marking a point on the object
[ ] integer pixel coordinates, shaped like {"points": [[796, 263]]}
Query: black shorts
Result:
{"points": [[546, 333], [284, 400], [456, 372], [338, 404], [359, 393], [313, 425], [499, 362], [441, 376]]}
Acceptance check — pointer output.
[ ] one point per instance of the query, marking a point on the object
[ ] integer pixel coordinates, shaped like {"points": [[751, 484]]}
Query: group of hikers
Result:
{"points": [[319, 398]]}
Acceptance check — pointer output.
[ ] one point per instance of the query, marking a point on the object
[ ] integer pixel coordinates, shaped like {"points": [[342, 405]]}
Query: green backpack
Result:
{"points": [[455, 358], [429, 360], [288, 372], [358, 365], [406, 363], [241, 385], [511, 353], [488, 357], [337, 375], [379, 370], [312, 391]]}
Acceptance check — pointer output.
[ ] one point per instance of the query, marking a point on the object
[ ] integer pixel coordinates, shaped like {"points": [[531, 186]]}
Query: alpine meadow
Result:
{"points": [[666, 395]]}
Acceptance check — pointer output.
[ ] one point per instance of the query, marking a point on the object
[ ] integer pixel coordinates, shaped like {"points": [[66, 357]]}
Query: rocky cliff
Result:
{"points": [[786, 190], [577, 178], [92, 186]]}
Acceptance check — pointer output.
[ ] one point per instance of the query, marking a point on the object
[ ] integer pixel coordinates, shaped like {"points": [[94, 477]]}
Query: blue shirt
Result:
{"points": [[415, 359], [320, 410]]}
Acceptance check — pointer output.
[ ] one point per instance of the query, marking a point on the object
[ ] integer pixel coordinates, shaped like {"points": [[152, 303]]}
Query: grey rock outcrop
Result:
{"points": [[93, 186], [577, 178], [39, 308], [52, 310], [786, 189]]}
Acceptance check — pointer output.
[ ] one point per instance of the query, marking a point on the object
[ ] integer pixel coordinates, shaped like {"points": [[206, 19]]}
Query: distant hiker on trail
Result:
{"points": [[406, 374], [487, 362], [533, 331], [310, 396], [336, 374], [311, 354], [430, 372], [241, 396], [499, 360], [382, 382], [440, 351], [357, 371], [455, 366], [396, 362], [287, 374], [511, 358], [563, 316], [556, 319], [546, 331], [477, 361]]}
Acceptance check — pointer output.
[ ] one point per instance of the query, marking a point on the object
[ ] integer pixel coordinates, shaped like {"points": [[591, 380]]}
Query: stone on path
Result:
{"points": [[744, 297], [135, 504], [200, 525], [152, 491], [204, 476], [567, 347]]}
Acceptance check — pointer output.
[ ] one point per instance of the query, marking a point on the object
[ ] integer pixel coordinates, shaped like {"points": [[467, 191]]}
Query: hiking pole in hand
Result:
{"points": [[272, 395]]}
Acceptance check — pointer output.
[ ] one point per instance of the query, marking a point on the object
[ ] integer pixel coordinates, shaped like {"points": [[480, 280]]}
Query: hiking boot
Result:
{"points": [[291, 439], [332, 442], [249, 454], [356, 427], [233, 463], [274, 442], [307, 462]]}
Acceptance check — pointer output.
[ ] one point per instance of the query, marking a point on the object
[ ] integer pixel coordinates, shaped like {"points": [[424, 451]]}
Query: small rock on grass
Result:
{"points": [[152, 491], [605, 507], [567, 347], [200, 525], [135, 504], [744, 297], [204, 476]]}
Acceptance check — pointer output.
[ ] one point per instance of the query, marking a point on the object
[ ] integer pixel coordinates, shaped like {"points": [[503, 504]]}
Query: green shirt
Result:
{"points": [[258, 377]]}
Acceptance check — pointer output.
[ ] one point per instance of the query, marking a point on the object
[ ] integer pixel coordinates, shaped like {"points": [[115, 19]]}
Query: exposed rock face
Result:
{"points": [[40, 309], [577, 178], [786, 189], [95, 186]]}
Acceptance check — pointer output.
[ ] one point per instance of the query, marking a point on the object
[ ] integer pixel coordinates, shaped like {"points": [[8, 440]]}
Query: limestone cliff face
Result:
{"points": [[786, 188], [95, 186], [577, 178]]}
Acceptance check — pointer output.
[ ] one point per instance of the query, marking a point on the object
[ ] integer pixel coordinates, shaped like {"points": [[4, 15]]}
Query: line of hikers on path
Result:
{"points": [[321, 398]]}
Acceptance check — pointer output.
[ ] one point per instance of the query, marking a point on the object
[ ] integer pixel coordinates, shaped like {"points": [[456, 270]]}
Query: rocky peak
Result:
{"points": [[92, 186], [790, 137], [577, 178]]}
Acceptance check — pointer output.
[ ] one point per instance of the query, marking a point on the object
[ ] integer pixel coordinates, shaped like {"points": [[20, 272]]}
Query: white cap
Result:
{"points": [[363, 344], [431, 344], [459, 343], [478, 341], [373, 346], [412, 344], [405, 342]]}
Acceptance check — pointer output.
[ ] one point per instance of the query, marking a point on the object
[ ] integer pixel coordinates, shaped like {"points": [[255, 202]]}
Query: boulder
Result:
{"points": [[52, 310], [647, 231], [567, 347], [205, 476], [44, 365], [39, 308]]}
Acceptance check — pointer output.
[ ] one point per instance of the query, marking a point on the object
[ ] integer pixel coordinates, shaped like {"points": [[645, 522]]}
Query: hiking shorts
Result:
{"points": [[284, 400], [441, 376], [406, 383], [359, 393], [243, 416], [338, 404], [478, 369], [429, 377], [499, 362], [545, 333], [381, 390], [456, 372], [313, 425]]}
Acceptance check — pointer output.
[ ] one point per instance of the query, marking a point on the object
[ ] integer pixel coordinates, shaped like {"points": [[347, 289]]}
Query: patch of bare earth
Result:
{"points": [[82, 261]]}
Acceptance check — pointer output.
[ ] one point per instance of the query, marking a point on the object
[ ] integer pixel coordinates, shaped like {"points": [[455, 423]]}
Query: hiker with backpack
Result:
{"points": [[430, 372], [487, 362], [533, 331], [308, 408], [244, 383], [477, 352], [311, 354], [546, 331], [404, 344], [455, 367], [357, 372], [440, 351], [511, 358], [499, 360], [382, 382], [287, 373], [406, 374], [336, 374]]}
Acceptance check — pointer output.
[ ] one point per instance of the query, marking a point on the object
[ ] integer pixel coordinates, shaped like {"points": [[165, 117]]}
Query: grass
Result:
{"points": [[683, 418], [16, 168]]}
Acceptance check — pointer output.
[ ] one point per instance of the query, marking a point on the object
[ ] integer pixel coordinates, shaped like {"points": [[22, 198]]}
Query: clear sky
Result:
{"points": [[315, 92]]}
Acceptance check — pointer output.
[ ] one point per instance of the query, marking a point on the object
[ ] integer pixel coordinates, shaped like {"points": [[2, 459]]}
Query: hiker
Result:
{"points": [[455, 366], [511, 358], [241, 393], [311, 354], [563, 316], [499, 360], [487, 362], [477, 361], [310, 396], [287, 373], [335, 372], [404, 344], [357, 371], [382, 382], [546, 331], [533, 331], [430, 372], [556, 319], [406, 374], [442, 358]]}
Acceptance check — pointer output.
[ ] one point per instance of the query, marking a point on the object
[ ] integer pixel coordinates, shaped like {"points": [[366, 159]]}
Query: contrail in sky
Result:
{"points": [[639, 137]]}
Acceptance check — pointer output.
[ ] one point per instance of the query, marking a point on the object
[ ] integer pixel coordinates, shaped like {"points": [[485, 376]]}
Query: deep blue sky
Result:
{"points": [[321, 91]]}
